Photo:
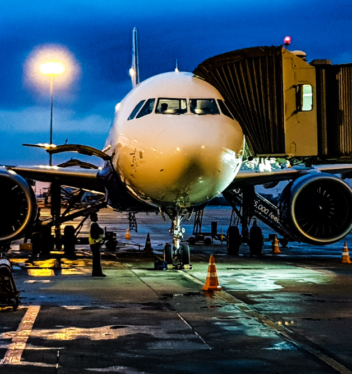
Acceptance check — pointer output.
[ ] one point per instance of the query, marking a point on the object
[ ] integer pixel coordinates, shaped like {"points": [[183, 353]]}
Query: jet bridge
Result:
{"points": [[286, 106]]}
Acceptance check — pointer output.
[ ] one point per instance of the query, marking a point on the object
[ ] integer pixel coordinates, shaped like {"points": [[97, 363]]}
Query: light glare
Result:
{"points": [[52, 68], [50, 60]]}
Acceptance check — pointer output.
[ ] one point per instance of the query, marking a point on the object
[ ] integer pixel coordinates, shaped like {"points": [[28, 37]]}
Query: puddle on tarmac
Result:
{"points": [[51, 263], [98, 333], [29, 363], [37, 281], [155, 306], [74, 271], [311, 319], [117, 369], [171, 295], [211, 306], [18, 260], [41, 272], [283, 346], [68, 307], [267, 280]]}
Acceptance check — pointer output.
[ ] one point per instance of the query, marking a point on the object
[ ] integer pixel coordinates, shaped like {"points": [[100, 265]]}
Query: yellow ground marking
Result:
{"points": [[14, 352]]}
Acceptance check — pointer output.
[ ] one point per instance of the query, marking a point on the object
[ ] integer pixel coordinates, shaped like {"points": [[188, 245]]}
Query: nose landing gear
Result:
{"points": [[177, 256]]}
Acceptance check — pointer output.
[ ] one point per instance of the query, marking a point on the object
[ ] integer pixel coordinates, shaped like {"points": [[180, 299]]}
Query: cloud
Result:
{"points": [[37, 120]]}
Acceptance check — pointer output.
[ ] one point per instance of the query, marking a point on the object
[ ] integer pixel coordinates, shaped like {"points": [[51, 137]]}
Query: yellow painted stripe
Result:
{"points": [[14, 352]]}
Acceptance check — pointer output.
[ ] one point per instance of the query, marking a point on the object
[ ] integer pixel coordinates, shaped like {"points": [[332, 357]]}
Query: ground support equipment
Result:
{"points": [[246, 203], [205, 237], [42, 239], [8, 291]]}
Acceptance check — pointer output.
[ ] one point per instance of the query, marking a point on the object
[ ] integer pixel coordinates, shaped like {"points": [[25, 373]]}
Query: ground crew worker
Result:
{"points": [[96, 239]]}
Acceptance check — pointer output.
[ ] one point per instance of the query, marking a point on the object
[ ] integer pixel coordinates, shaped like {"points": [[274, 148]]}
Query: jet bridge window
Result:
{"points": [[304, 98], [147, 108], [224, 109], [204, 106], [135, 110], [171, 106]]}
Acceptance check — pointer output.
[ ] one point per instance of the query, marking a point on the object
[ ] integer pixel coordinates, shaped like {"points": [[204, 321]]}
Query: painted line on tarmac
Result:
{"points": [[179, 315], [299, 341], [194, 330], [14, 352]]}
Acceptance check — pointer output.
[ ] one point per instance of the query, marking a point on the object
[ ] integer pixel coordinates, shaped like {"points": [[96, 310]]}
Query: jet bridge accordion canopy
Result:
{"points": [[260, 86]]}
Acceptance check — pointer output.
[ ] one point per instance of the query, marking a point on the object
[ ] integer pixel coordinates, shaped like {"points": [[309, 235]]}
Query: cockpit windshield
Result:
{"points": [[171, 106], [135, 110], [204, 106], [224, 109], [147, 108]]}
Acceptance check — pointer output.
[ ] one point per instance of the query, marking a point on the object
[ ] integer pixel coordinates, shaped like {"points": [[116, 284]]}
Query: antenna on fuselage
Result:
{"points": [[176, 69], [134, 71]]}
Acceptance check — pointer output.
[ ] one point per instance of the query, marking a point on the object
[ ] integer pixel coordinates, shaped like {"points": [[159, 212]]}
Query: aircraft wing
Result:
{"points": [[73, 177], [250, 177]]}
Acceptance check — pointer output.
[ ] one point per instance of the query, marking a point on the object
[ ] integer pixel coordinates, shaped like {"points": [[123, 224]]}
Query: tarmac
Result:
{"points": [[275, 314]]}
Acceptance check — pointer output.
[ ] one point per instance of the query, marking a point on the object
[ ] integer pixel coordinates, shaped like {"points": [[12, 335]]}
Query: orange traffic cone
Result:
{"points": [[276, 248], [345, 259], [128, 235], [212, 281], [148, 244]]}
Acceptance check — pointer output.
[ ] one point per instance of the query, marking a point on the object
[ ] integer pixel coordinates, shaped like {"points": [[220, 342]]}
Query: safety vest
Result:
{"points": [[95, 241]]}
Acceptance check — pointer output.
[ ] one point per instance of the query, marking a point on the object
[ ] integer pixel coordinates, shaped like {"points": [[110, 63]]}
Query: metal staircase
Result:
{"points": [[259, 207]]}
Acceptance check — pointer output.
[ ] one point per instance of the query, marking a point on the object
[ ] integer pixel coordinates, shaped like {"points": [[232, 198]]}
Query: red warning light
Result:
{"points": [[287, 40]]}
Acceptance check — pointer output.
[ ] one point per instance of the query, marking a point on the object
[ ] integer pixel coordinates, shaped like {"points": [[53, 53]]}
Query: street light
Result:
{"points": [[51, 69]]}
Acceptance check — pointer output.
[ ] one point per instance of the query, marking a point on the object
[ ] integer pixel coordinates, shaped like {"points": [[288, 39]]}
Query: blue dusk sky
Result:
{"points": [[94, 39]]}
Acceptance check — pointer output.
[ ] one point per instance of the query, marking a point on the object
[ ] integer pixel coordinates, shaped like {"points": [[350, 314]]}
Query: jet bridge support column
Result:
{"points": [[56, 211], [247, 210]]}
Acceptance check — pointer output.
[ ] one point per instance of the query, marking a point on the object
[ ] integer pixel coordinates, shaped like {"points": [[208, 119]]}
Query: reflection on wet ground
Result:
{"points": [[41, 272], [138, 320]]}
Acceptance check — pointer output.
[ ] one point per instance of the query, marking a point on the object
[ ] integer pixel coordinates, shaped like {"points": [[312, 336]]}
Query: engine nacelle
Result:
{"points": [[317, 208], [18, 206]]}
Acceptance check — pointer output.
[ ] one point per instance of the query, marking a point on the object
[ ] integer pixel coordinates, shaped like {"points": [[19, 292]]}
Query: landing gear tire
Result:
{"points": [[186, 254], [192, 240], [233, 240], [168, 254], [15, 304], [207, 241], [255, 241]]}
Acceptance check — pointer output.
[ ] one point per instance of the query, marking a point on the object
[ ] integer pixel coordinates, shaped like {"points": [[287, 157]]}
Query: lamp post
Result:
{"points": [[51, 69]]}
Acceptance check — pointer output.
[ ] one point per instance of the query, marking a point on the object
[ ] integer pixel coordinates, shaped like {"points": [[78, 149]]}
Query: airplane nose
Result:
{"points": [[194, 163]]}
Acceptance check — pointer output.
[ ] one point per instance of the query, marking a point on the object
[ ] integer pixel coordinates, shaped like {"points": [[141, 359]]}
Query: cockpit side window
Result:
{"points": [[135, 110], [224, 109], [204, 106], [147, 108], [171, 106]]}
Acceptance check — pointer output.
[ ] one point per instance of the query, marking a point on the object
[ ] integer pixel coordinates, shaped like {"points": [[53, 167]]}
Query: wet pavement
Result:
{"points": [[276, 314]]}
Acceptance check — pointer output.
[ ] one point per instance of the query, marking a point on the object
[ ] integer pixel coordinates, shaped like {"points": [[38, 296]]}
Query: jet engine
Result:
{"points": [[18, 207], [317, 208]]}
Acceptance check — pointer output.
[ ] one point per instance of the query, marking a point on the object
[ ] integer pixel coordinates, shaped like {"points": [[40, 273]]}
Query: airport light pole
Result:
{"points": [[52, 69]]}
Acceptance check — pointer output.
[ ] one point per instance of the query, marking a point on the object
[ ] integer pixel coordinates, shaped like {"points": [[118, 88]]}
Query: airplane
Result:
{"points": [[172, 147]]}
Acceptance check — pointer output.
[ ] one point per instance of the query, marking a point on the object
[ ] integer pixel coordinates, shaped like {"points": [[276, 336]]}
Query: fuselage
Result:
{"points": [[171, 142]]}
